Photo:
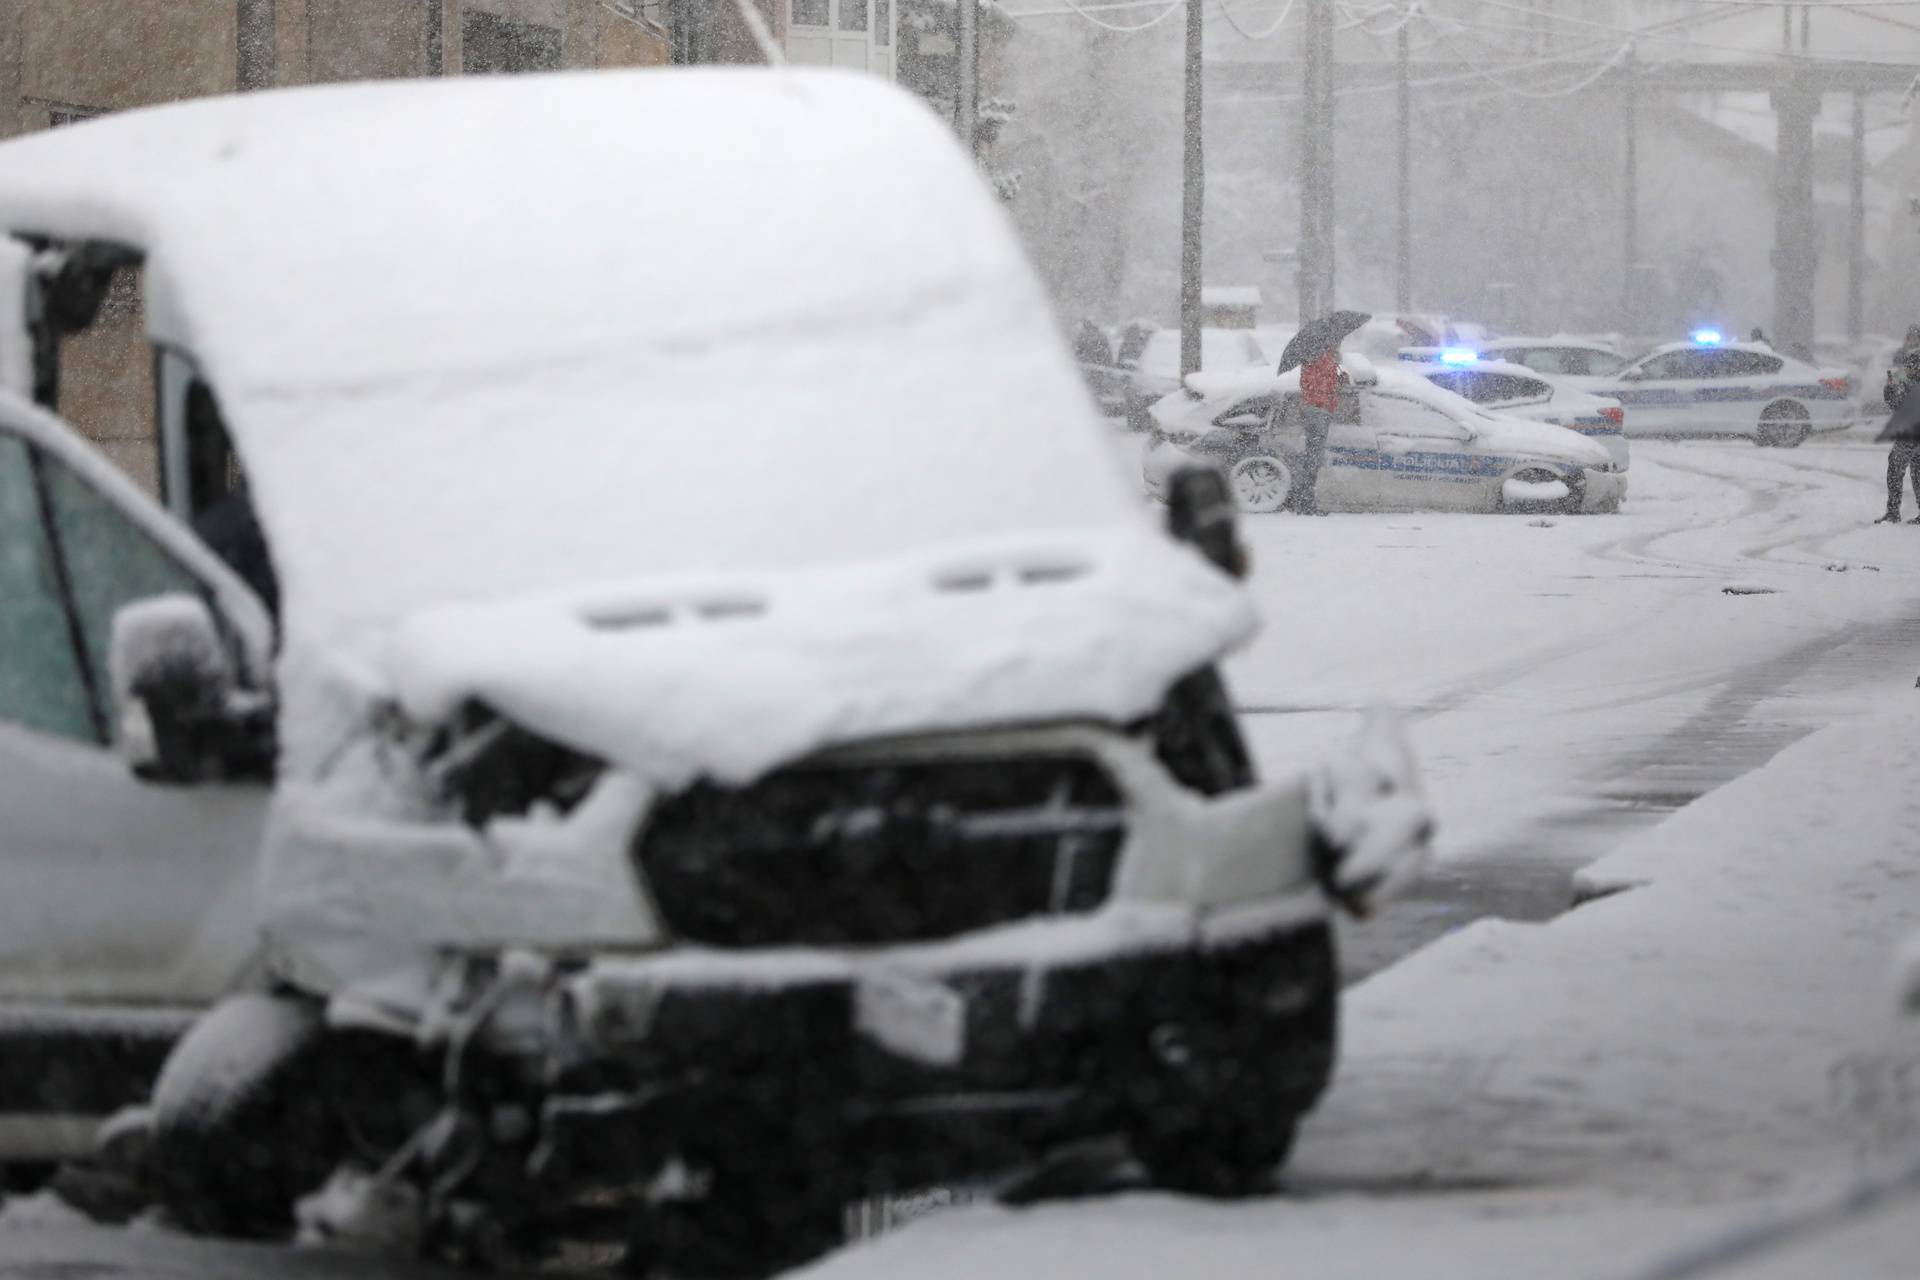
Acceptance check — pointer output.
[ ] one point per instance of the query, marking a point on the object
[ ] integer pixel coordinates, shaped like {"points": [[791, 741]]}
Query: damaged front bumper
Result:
{"points": [[1208, 963], [948, 1063]]}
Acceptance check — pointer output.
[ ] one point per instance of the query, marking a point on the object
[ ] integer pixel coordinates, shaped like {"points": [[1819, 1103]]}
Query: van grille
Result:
{"points": [[864, 854]]}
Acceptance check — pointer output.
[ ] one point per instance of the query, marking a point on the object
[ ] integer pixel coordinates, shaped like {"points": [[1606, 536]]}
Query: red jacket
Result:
{"points": [[1320, 382]]}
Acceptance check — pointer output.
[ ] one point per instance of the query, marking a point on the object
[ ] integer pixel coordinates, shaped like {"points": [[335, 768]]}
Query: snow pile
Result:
{"points": [[1521, 492], [361, 1212], [42, 1210], [227, 1051], [1591, 1094]]}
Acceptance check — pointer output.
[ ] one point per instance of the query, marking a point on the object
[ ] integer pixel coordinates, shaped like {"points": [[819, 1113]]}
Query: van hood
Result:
{"points": [[727, 676]]}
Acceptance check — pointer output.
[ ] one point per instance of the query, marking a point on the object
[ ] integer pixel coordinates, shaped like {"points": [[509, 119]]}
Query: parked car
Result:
{"points": [[1398, 443], [662, 844], [1514, 391], [1584, 364], [1708, 387]]}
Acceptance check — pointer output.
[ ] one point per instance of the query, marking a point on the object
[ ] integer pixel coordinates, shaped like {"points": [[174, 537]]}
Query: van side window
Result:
{"points": [[42, 687], [110, 562]]}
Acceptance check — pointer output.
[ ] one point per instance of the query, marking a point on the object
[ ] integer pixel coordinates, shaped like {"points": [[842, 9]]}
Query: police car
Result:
{"points": [[1710, 387], [1509, 389], [1585, 364], [1398, 443]]}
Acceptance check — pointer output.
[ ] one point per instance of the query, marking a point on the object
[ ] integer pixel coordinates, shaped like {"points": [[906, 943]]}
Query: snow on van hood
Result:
{"points": [[725, 676]]}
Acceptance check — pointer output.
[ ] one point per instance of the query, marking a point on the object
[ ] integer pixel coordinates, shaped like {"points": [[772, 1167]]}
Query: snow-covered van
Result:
{"points": [[719, 755]]}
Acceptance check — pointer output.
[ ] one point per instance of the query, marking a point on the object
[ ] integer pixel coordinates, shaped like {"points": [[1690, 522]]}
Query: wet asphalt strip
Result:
{"points": [[1530, 878]]}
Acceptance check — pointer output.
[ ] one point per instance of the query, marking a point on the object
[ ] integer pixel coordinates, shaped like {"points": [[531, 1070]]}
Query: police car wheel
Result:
{"points": [[1261, 483], [1783, 426]]}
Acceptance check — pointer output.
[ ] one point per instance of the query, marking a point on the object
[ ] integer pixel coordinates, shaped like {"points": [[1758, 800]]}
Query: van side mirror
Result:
{"points": [[1201, 511], [182, 716]]}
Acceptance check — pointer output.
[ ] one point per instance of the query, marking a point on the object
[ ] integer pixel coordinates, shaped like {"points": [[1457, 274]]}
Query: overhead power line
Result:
{"points": [[1226, 8]]}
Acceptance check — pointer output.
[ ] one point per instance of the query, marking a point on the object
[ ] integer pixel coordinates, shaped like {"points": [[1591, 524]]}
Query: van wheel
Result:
{"points": [[1242, 1052], [1261, 483], [241, 1126], [1784, 425]]}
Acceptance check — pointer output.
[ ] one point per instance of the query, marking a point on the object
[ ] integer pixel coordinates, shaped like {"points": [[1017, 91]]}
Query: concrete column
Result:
{"points": [[1857, 223], [1316, 162], [13, 45], [1632, 299], [436, 33], [1193, 190], [1796, 233], [254, 45]]}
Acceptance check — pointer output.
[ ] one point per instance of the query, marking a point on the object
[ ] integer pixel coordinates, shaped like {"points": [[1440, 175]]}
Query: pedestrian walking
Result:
{"points": [[1315, 351], [1319, 398], [1902, 394]]}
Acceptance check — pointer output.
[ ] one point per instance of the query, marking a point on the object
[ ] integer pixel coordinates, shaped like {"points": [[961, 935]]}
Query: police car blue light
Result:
{"points": [[1708, 337], [1458, 355]]}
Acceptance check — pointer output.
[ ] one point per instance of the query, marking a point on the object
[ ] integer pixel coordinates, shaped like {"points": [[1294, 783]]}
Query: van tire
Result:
{"points": [[241, 1124]]}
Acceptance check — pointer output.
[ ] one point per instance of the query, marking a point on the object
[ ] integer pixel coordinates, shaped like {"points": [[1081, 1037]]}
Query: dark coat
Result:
{"points": [[1903, 398]]}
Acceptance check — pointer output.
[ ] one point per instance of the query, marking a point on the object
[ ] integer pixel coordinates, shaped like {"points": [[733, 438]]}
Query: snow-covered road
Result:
{"points": [[1568, 683]]}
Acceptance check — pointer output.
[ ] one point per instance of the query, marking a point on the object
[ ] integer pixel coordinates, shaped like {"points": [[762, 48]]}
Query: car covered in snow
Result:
{"points": [[646, 841], [1514, 391], [1154, 371], [1397, 443], [1585, 364], [1709, 387]]}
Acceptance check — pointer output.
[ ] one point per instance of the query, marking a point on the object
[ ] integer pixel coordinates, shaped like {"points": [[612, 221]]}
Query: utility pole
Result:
{"points": [[253, 65], [1795, 245], [1193, 192], [1403, 223], [1316, 164], [436, 37], [1630, 187], [966, 98], [1857, 224]]}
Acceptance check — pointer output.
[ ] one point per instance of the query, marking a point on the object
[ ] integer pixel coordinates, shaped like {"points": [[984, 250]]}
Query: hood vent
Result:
{"points": [[637, 616]]}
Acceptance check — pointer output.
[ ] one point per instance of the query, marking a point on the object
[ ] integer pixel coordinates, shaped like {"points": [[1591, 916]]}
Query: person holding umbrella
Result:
{"points": [[1315, 351], [1903, 427]]}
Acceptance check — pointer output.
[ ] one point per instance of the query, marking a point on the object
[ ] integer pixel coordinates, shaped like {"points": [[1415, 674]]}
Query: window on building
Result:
{"points": [[883, 22], [490, 44], [107, 380], [853, 15], [810, 13], [64, 113]]}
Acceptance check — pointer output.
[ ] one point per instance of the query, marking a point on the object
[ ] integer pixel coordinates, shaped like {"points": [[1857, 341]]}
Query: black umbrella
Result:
{"points": [[1317, 337], [1905, 422]]}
